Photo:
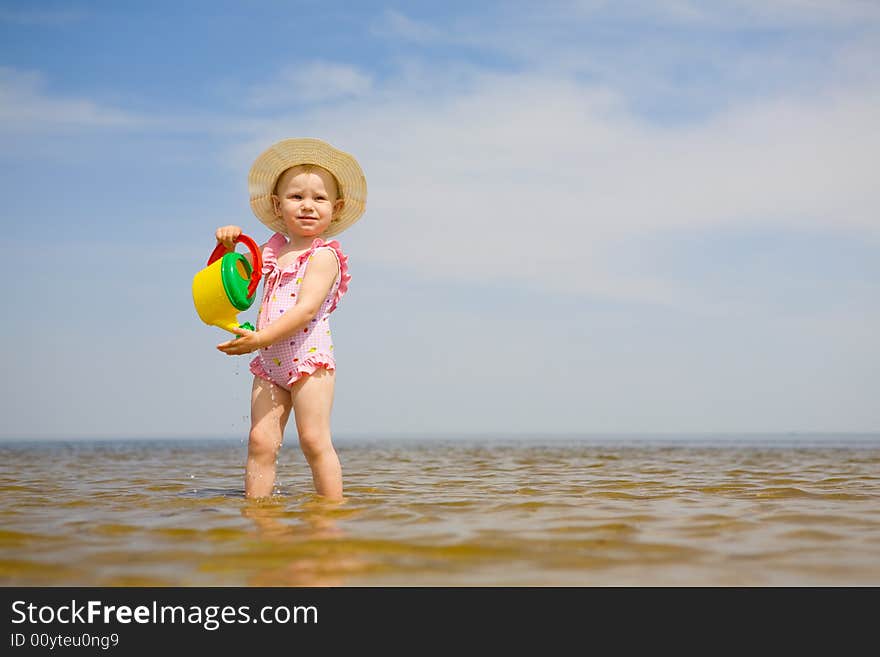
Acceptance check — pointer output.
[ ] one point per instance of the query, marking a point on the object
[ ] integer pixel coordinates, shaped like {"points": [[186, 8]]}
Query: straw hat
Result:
{"points": [[287, 153]]}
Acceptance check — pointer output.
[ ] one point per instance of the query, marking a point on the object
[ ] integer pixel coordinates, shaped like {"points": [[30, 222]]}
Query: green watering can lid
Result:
{"points": [[236, 285]]}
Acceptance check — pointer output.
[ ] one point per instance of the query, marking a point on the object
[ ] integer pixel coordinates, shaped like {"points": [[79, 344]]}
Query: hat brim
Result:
{"points": [[287, 153]]}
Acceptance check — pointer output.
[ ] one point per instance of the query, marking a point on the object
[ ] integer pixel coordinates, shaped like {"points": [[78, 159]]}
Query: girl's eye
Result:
{"points": [[295, 197], [320, 198]]}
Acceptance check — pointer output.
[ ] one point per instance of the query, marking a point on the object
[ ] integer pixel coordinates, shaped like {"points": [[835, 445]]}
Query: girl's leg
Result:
{"points": [[270, 408], [312, 398]]}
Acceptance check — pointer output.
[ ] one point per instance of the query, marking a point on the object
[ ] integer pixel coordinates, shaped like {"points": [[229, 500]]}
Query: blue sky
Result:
{"points": [[583, 217]]}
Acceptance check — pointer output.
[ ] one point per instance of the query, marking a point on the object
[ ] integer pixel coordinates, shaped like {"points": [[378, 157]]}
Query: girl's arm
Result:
{"points": [[321, 273]]}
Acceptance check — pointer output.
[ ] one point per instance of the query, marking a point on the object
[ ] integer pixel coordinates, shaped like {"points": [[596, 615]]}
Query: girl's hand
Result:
{"points": [[247, 342], [226, 236]]}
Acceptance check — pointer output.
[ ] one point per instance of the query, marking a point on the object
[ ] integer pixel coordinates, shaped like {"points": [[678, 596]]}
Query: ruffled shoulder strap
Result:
{"points": [[344, 276], [270, 252]]}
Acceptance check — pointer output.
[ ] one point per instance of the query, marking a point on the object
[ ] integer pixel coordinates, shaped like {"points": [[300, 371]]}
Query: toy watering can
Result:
{"points": [[227, 285]]}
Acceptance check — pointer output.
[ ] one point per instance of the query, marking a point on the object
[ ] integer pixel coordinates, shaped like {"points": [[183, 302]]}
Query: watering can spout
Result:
{"points": [[227, 285]]}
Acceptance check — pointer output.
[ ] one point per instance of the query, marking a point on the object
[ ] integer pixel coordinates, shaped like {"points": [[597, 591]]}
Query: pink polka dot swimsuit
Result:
{"points": [[301, 354]]}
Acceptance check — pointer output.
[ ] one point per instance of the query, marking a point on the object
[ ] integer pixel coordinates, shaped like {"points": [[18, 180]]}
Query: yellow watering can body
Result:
{"points": [[226, 286]]}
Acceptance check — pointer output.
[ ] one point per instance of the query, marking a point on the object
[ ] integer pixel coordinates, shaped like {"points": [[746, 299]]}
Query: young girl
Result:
{"points": [[304, 190]]}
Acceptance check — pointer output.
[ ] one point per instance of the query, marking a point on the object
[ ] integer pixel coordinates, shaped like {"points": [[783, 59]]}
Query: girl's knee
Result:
{"points": [[263, 444], [315, 442]]}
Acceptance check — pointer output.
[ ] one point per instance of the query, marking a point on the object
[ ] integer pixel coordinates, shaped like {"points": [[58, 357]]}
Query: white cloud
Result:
{"points": [[822, 12], [312, 82], [536, 180], [734, 14], [395, 25], [679, 56], [25, 103]]}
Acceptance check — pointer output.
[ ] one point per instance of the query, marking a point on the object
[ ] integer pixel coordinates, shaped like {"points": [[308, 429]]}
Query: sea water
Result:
{"points": [[454, 511]]}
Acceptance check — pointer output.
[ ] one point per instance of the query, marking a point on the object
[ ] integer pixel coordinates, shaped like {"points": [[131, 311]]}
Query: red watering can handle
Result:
{"points": [[257, 271]]}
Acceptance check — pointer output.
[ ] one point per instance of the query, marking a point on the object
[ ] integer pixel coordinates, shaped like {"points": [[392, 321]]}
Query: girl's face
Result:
{"points": [[306, 199]]}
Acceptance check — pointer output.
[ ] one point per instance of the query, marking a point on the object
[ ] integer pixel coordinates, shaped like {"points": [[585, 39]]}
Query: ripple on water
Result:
{"points": [[817, 519], [24, 572], [607, 527], [113, 529], [621, 495], [811, 535], [782, 492]]}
